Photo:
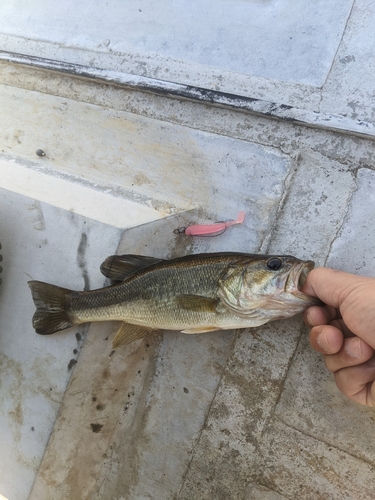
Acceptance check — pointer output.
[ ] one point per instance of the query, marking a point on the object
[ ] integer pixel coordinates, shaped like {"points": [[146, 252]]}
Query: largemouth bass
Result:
{"points": [[193, 294]]}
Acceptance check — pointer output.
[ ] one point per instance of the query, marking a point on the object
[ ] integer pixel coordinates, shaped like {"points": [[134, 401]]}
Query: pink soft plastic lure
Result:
{"points": [[213, 229]]}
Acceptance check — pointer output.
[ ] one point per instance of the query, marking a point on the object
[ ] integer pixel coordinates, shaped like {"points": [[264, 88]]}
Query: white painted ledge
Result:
{"points": [[75, 195]]}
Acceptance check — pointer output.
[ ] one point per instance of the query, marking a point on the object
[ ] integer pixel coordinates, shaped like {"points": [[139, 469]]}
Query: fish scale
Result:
{"points": [[149, 295]]}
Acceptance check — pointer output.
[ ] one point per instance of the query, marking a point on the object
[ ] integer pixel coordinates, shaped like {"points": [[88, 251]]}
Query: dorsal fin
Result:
{"points": [[120, 267]]}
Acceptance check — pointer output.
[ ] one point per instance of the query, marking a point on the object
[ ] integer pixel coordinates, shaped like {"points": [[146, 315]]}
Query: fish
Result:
{"points": [[191, 294]]}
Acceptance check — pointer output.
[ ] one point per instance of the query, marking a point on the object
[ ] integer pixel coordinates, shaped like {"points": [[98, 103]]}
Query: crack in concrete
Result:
{"points": [[272, 412], [81, 260], [271, 489], [287, 183], [344, 217], [338, 47], [351, 165]]}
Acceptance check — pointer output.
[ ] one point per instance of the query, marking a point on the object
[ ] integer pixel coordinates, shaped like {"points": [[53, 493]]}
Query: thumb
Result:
{"points": [[353, 295], [330, 286]]}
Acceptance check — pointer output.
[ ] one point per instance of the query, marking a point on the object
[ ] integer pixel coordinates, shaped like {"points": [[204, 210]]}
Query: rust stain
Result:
{"points": [[16, 415], [101, 382], [140, 179]]}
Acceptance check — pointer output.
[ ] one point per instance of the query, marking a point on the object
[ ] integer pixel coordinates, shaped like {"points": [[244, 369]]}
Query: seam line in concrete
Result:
{"points": [[337, 51], [321, 440], [272, 412], [283, 112], [273, 490], [117, 192], [287, 183], [344, 217], [237, 332]]}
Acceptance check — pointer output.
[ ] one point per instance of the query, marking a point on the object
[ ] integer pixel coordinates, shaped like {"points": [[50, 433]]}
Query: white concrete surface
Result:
{"points": [[328, 45], [357, 232], [244, 415], [349, 89], [251, 414], [73, 193], [124, 169], [231, 35], [45, 243]]}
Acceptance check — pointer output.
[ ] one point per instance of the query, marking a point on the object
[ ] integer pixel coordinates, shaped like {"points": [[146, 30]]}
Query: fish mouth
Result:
{"points": [[297, 278]]}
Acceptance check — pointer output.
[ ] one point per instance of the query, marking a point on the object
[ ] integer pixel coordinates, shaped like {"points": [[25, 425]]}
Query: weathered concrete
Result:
{"points": [[39, 242], [242, 415], [357, 232], [300, 466], [226, 37], [314, 208], [348, 89], [309, 387], [121, 153], [226, 456], [212, 416]]}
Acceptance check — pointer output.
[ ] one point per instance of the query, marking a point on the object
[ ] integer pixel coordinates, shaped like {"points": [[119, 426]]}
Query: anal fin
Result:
{"points": [[129, 333]]}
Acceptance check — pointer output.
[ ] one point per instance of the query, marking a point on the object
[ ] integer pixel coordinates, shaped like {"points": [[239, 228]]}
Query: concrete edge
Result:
{"points": [[278, 111], [68, 192], [169, 69]]}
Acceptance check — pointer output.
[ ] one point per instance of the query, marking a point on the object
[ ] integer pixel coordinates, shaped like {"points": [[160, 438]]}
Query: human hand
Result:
{"points": [[344, 330]]}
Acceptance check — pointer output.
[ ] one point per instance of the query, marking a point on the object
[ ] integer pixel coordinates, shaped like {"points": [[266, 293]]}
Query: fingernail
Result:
{"points": [[322, 340], [353, 348]]}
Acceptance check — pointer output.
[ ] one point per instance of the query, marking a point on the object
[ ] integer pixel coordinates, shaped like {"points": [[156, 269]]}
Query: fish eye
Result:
{"points": [[274, 264]]}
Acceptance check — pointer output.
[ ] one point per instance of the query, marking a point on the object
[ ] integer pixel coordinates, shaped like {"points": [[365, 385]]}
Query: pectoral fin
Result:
{"points": [[129, 333], [197, 303], [204, 329], [120, 267]]}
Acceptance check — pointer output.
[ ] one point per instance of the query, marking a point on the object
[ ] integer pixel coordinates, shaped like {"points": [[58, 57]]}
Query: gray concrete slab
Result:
{"points": [[303, 467], [241, 415], [353, 249], [226, 457], [38, 242], [259, 492], [349, 88], [312, 404], [254, 394], [224, 36], [314, 208], [161, 168]]}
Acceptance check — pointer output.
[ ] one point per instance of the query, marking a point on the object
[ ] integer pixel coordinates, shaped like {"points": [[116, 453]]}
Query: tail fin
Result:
{"points": [[50, 302]]}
